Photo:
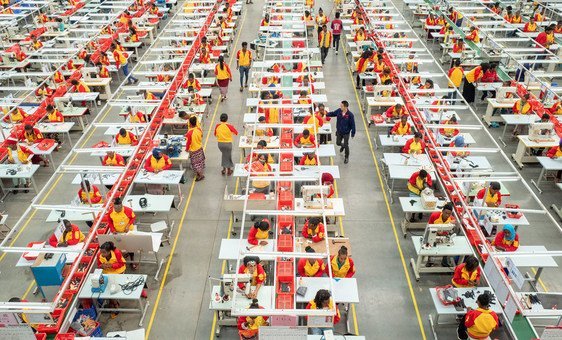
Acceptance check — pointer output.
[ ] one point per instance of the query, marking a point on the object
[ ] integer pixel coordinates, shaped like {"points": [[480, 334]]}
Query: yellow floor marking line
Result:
{"points": [[396, 238], [184, 213]]}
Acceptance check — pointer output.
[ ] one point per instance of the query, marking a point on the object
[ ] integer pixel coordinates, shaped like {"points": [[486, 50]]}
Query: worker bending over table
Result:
{"points": [[89, 194], [111, 261], [323, 300], [445, 216], [342, 265], [310, 267], [248, 326], [478, 323], [507, 239], [467, 274], [121, 221], [251, 265], [259, 233], [314, 229]]}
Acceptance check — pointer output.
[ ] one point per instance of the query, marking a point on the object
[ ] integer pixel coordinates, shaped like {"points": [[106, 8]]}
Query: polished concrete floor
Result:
{"points": [[393, 305]]}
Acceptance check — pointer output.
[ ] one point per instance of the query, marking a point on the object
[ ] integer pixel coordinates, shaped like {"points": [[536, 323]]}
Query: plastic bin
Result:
{"points": [[285, 243], [284, 301], [285, 271]]}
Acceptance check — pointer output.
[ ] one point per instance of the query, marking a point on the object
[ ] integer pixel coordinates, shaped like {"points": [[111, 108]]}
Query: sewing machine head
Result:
{"points": [[228, 286], [538, 131], [438, 235], [315, 196]]}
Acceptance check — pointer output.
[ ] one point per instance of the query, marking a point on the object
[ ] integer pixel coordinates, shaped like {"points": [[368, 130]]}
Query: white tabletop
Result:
{"points": [[477, 162], [55, 127], [70, 256], [519, 119], [441, 309], [544, 141], [163, 177], [298, 170], [155, 203], [22, 170], [406, 159], [417, 206], [405, 171], [345, 289], [460, 246], [231, 248], [547, 163], [468, 139], [94, 178], [273, 142], [394, 140], [36, 151], [539, 261], [265, 297], [117, 279], [336, 210], [384, 101]]}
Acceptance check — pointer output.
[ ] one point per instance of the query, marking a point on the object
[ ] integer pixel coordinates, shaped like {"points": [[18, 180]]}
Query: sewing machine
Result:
{"points": [[228, 286], [62, 103], [538, 131], [438, 235], [502, 92], [99, 281], [428, 199], [316, 196]]}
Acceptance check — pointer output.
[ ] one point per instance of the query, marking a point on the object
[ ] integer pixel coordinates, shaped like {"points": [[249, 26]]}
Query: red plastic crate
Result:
{"points": [[65, 336], [286, 162], [285, 221], [285, 271], [54, 328], [68, 297], [284, 301], [284, 185], [290, 282], [285, 243], [40, 336], [286, 198]]}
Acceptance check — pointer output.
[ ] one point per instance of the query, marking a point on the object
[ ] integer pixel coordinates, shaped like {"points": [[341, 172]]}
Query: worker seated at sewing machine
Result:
{"points": [[316, 196], [507, 239], [342, 264], [66, 234], [251, 265], [248, 326], [305, 140], [259, 233], [314, 229], [445, 216], [492, 194], [309, 158]]}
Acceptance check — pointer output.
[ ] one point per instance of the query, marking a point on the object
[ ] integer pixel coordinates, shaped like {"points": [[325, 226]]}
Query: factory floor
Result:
{"points": [[393, 305]]}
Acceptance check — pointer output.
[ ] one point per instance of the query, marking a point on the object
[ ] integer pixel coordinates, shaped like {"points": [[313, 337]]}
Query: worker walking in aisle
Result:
{"points": [[243, 64], [224, 76], [325, 41], [224, 133], [337, 26], [194, 146], [345, 126]]}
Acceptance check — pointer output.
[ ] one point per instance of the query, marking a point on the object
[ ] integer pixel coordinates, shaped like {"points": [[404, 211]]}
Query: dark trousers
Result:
{"points": [[244, 71], [336, 42], [342, 140], [324, 53]]}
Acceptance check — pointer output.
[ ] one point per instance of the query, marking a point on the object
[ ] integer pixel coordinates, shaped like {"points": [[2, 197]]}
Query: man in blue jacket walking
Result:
{"points": [[345, 125]]}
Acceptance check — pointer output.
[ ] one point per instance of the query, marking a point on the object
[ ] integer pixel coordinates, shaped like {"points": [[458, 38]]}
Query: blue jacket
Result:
{"points": [[344, 123]]}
